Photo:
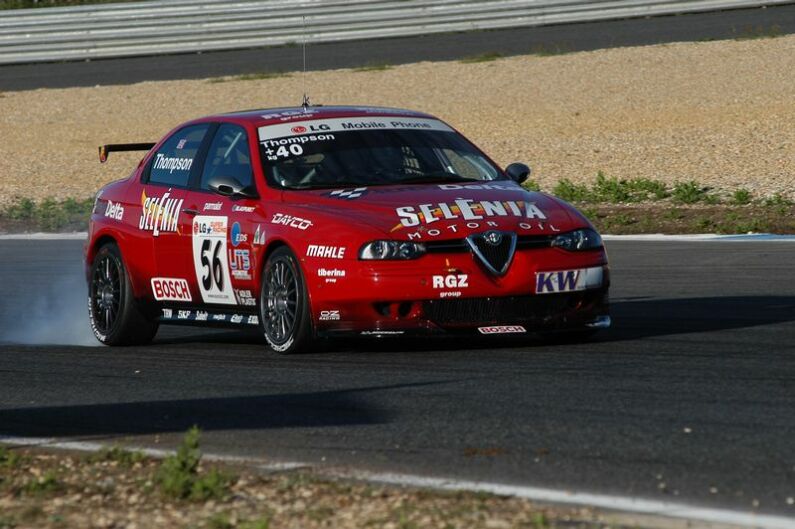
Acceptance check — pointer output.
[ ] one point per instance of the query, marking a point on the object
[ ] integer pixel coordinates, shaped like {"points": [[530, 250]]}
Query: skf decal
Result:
{"points": [[159, 214], [289, 220], [501, 329], [466, 209], [568, 280], [330, 252], [114, 211], [170, 289]]}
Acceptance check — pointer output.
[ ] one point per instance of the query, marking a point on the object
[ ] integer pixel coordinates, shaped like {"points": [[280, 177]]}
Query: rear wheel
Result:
{"points": [[112, 311], [284, 304]]}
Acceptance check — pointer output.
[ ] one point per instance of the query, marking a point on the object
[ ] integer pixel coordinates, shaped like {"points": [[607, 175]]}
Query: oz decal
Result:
{"points": [[210, 259]]}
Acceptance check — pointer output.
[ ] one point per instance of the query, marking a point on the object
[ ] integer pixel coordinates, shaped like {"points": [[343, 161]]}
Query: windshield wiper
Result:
{"points": [[324, 185], [438, 176]]}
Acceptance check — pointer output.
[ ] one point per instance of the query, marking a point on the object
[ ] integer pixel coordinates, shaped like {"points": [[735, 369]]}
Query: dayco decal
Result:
{"points": [[172, 164], [159, 214], [114, 211], [289, 220], [331, 252], [170, 289]]}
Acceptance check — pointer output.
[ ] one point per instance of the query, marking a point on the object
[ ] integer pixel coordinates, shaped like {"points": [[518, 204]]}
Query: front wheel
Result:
{"points": [[284, 304], [112, 311]]}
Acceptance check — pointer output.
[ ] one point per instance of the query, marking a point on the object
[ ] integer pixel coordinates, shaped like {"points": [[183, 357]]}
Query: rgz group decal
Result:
{"points": [[210, 259]]}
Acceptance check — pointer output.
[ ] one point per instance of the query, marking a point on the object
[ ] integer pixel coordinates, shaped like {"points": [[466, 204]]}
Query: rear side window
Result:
{"points": [[174, 159], [228, 156]]}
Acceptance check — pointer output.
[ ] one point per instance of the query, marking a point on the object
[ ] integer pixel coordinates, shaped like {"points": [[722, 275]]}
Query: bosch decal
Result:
{"points": [[170, 289], [502, 329]]}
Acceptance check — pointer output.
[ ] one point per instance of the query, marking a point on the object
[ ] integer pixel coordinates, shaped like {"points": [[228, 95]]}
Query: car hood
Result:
{"points": [[441, 211]]}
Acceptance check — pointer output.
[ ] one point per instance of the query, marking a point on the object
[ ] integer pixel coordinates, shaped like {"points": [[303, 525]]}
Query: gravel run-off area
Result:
{"points": [[720, 113]]}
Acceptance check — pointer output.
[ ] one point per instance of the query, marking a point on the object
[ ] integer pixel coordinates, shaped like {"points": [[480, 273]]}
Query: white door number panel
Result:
{"points": [[210, 260]]}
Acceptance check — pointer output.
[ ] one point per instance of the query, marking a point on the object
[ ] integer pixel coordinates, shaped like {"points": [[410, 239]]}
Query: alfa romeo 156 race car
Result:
{"points": [[312, 222]]}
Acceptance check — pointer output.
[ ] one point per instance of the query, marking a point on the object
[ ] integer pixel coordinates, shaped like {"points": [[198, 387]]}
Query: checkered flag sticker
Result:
{"points": [[348, 194]]}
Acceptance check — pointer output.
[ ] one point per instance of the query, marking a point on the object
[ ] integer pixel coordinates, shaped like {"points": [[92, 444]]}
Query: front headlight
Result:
{"points": [[391, 250], [573, 241]]}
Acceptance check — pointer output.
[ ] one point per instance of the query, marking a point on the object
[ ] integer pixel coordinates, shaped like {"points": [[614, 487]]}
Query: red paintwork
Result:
{"points": [[336, 222]]}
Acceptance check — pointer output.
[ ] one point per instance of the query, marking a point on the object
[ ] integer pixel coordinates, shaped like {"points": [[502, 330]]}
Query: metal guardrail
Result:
{"points": [[181, 26]]}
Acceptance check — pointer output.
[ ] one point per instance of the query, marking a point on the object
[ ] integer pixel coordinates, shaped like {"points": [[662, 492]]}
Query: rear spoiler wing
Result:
{"points": [[120, 147]]}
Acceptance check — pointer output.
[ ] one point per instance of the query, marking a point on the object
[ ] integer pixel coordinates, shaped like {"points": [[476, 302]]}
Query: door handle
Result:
{"points": [[190, 211]]}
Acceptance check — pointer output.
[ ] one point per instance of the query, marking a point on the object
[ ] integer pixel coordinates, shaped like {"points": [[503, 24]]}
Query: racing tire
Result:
{"points": [[284, 305], [112, 310]]}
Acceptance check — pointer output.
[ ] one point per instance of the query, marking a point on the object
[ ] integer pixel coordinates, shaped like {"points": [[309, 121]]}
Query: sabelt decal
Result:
{"points": [[114, 211], [210, 259], [159, 214], [502, 329], [328, 252], [568, 280], [283, 130], [170, 289]]}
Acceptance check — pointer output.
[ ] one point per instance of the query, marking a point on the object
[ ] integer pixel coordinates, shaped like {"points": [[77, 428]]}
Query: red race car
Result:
{"points": [[313, 222]]}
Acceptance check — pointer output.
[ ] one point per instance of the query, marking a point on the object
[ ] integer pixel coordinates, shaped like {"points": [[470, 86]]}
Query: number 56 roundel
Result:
{"points": [[210, 261]]}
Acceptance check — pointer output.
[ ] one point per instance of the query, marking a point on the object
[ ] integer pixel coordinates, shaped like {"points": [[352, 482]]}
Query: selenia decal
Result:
{"points": [[159, 214], [210, 259]]}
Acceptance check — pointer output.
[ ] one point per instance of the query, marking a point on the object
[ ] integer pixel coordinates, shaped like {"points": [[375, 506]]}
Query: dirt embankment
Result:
{"points": [[717, 112]]}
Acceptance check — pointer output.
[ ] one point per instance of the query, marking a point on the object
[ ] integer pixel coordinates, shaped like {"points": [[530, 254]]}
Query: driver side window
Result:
{"points": [[228, 157]]}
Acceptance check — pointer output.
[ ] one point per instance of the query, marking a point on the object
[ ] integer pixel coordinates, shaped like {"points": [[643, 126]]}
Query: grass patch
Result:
{"points": [[741, 197], [124, 458], [48, 483], [688, 192], [48, 215], [256, 76], [179, 476], [759, 32], [544, 50], [373, 67], [482, 57]]}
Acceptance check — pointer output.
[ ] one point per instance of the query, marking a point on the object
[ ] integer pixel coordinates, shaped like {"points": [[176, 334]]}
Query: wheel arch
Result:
{"points": [[271, 247]]}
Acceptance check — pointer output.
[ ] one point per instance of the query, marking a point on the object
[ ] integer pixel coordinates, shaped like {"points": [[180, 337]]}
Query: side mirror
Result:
{"points": [[518, 172], [230, 187]]}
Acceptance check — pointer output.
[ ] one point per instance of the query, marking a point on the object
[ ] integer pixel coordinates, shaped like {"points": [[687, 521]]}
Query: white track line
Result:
{"points": [[78, 235], [625, 504]]}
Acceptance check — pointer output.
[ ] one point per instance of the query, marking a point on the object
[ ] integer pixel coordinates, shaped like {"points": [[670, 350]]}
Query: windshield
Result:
{"points": [[369, 151]]}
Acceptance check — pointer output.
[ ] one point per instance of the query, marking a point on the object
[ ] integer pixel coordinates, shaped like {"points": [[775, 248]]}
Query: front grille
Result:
{"points": [[536, 310], [495, 255]]}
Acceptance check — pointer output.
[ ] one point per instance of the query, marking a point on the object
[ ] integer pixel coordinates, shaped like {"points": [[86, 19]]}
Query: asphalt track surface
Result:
{"points": [[451, 46], [689, 398]]}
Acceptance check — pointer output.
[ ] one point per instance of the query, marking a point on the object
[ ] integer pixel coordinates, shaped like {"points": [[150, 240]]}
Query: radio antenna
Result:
{"points": [[305, 104]]}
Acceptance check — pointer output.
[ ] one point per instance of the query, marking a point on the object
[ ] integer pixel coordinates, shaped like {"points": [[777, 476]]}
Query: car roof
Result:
{"points": [[268, 116]]}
